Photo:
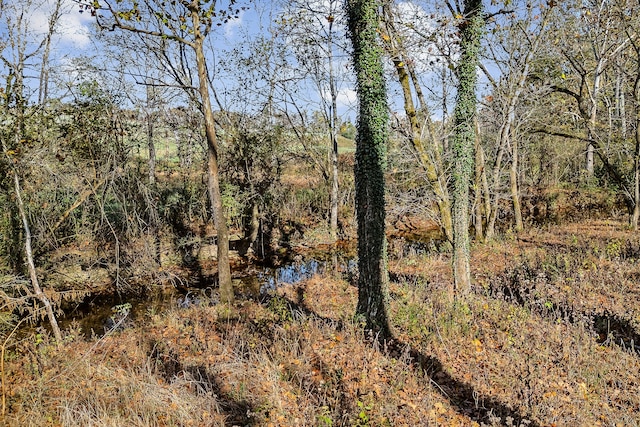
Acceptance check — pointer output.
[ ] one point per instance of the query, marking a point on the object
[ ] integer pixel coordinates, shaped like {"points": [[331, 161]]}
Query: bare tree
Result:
{"points": [[512, 49], [587, 39], [313, 30], [421, 133], [15, 57], [187, 23]]}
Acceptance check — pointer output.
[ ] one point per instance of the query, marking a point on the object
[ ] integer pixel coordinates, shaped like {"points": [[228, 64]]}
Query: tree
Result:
{"points": [[187, 23], [632, 26], [421, 132], [312, 29], [371, 140], [588, 47], [514, 47], [591, 41], [463, 139]]}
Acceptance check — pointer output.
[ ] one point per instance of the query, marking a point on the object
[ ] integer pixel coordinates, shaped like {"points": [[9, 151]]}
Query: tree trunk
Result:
{"points": [[371, 141], [224, 269], [492, 215], [152, 148], [429, 156], [251, 228], [43, 89], [593, 118], [31, 264], [636, 181], [154, 220], [463, 142], [479, 172], [515, 193], [635, 217], [333, 121]]}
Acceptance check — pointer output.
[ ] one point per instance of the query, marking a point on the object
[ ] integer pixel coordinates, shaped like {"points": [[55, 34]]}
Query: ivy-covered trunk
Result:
{"points": [[463, 140], [371, 146]]}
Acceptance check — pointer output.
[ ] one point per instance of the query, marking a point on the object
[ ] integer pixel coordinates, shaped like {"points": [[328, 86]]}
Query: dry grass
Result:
{"points": [[297, 359]]}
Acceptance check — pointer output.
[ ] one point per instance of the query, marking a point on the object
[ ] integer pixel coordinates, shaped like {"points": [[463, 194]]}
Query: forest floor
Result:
{"points": [[547, 337]]}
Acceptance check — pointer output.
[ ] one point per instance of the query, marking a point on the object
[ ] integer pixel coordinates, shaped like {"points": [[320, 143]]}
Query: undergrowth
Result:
{"points": [[297, 358]]}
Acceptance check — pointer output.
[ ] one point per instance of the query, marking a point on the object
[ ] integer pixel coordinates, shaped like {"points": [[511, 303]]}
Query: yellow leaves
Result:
{"points": [[289, 395], [439, 408], [405, 399], [458, 16], [478, 345], [437, 412], [582, 387]]}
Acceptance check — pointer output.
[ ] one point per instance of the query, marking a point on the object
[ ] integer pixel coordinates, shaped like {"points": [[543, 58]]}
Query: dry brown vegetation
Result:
{"points": [[547, 338]]}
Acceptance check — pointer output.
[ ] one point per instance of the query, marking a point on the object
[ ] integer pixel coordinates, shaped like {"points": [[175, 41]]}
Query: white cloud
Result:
{"points": [[72, 27], [233, 24], [347, 97]]}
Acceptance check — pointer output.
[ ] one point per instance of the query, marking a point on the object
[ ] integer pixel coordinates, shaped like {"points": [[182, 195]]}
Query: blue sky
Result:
{"points": [[73, 39]]}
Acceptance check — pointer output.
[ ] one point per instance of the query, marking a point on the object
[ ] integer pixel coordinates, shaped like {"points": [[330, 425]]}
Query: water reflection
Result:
{"points": [[254, 281]]}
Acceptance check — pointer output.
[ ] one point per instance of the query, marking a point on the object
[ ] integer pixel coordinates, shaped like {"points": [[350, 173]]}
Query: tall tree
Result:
{"points": [[588, 47], [421, 132], [462, 142], [371, 141], [631, 27], [187, 23], [313, 31]]}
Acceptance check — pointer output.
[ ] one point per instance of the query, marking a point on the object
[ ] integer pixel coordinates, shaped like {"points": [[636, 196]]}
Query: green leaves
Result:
{"points": [[131, 14]]}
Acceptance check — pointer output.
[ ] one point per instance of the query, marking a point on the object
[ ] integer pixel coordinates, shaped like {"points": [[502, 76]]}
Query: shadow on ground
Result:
{"points": [[202, 382], [462, 396]]}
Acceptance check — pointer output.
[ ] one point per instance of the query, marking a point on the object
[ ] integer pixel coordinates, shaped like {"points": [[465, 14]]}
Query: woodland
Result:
{"points": [[320, 213]]}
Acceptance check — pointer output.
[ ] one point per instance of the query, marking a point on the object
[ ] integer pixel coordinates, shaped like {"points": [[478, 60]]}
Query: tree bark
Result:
{"points": [[515, 193], [220, 220], [636, 178], [635, 216], [463, 141], [151, 145], [593, 118], [371, 141], [43, 88], [479, 173]]}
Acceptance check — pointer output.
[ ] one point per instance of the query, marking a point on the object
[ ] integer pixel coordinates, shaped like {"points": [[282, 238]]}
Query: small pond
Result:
{"points": [[98, 314]]}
